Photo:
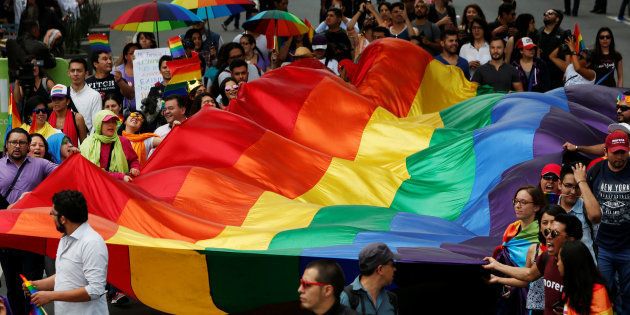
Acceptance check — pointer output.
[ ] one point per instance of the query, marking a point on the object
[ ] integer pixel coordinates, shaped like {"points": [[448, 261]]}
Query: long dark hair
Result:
{"points": [[484, 25], [126, 50], [225, 100], [480, 14], [148, 35], [47, 155], [580, 275], [552, 210], [597, 52]]}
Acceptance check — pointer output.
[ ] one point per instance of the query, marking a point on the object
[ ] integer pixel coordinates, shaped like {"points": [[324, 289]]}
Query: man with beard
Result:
{"points": [[449, 55], [550, 37], [623, 117], [496, 73], [610, 182], [20, 174], [577, 199], [427, 30], [78, 287], [401, 25], [565, 227]]}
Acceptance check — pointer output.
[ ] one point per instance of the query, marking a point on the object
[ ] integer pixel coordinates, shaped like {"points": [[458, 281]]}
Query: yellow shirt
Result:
{"points": [[47, 130]]}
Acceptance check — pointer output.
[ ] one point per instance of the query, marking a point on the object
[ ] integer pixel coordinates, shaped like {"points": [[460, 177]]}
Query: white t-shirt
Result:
{"points": [[572, 77], [88, 103], [333, 65], [470, 53]]}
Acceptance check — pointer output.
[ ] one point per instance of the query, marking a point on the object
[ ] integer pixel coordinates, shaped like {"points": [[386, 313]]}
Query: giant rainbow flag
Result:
{"points": [[303, 165]]}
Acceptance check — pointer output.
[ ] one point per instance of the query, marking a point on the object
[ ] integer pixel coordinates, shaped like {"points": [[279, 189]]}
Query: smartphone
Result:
{"points": [[552, 198]]}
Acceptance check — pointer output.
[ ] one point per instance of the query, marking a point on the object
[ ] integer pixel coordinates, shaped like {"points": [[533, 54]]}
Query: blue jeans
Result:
{"points": [[615, 265]]}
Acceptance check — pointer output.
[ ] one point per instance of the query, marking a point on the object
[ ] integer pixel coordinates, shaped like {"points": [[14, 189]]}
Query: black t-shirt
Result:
{"points": [[434, 16], [547, 43], [500, 80], [612, 190], [104, 86], [340, 43], [605, 66]]}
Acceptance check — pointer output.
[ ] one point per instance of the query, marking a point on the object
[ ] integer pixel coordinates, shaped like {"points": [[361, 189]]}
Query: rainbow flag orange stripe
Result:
{"points": [[14, 119], [99, 41], [579, 41], [176, 47], [183, 70]]}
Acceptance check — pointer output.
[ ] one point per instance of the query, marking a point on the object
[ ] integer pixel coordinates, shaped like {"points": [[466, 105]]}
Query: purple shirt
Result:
{"points": [[34, 172]]}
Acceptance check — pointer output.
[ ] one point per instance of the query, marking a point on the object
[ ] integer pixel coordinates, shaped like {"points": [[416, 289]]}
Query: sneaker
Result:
{"points": [[224, 27], [620, 19], [119, 299]]}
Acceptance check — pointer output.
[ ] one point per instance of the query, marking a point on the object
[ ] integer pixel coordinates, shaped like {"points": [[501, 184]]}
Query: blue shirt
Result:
{"points": [[381, 307], [578, 212], [461, 63]]}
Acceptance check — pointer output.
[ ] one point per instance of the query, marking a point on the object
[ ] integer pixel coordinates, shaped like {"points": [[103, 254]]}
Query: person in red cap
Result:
{"points": [[549, 178], [532, 71], [610, 182]]}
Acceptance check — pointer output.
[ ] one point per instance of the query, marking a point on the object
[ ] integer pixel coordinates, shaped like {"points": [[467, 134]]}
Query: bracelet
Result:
{"points": [[580, 181]]}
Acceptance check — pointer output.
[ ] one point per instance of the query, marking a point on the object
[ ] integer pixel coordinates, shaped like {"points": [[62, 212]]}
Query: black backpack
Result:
{"points": [[354, 298]]}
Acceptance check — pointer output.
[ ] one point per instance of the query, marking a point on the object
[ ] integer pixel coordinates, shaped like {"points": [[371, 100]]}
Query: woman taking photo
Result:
{"points": [[584, 288], [42, 85], [607, 60]]}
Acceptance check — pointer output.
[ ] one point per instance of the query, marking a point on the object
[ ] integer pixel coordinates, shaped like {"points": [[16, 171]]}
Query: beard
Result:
{"points": [[60, 228], [548, 22], [497, 56]]}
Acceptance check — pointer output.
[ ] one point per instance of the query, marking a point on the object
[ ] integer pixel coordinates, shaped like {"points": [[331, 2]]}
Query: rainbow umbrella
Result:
{"points": [[155, 17], [211, 9], [275, 23]]}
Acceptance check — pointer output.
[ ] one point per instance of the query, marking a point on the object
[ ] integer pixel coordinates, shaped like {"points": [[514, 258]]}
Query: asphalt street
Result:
{"points": [[589, 24]]}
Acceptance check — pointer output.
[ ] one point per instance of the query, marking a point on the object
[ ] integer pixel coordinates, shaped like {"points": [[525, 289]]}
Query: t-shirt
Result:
{"points": [[499, 80], [461, 63], [547, 43], [612, 190], [431, 32], [605, 66], [552, 280], [104, 86]]}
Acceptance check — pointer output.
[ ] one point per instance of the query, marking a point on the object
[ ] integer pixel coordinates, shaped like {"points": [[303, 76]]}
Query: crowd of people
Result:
{"points": [[99, 117]]}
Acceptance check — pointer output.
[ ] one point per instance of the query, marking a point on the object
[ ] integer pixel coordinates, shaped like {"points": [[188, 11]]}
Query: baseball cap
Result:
{"points": [[59, 90], [320, 42], [551, 168], [374, 255], [525, 43], [617, 141], [110, 117], [620, 126]]}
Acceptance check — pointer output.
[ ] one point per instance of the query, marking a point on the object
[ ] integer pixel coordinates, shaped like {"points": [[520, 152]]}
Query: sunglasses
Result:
{"points": [[308, 284], [230, 88], [136, 116], [605, 37], [521, 202], [549, 13], [551, 233], [623, 108], [40, 111], [552, 178]]}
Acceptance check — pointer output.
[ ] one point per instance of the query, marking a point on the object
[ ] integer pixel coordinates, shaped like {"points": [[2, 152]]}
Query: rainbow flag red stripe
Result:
{"points": [[579, 40], [99, 41], [14, 119], [176, 47], [183, 70]]}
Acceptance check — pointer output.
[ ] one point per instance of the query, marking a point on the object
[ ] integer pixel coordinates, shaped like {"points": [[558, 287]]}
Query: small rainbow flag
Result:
{"points": [[184, 70], [99, 41], [14, 119], [579, 41], [176, 47], [180, 88]]}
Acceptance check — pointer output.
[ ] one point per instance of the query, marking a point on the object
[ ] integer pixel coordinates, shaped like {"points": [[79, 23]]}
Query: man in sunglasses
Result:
{"points": [[565, 227], [321, 286], [623, 119], [549, 179], [367, 293], [610, 182]]}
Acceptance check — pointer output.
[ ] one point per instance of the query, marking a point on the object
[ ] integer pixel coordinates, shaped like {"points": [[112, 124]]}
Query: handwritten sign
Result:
{"points": [[146, 71]]}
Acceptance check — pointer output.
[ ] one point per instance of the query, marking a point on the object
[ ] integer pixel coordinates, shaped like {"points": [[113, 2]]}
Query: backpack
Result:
{"points": [[354, 298]]}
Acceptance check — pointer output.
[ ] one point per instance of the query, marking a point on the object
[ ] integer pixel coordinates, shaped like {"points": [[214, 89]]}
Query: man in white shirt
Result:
{"points": [[175, 113], [78, 287], [87, 101]]}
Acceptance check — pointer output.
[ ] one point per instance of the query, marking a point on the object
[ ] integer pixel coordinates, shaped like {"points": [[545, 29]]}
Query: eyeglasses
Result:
{"points": [[17, 143], [137, 116], [308, 284], [571, 187], [230, 88], [40, 111], [605, 37], [552, 178], [623, 108], [549, 13], [521, 202], [551, 233]]}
